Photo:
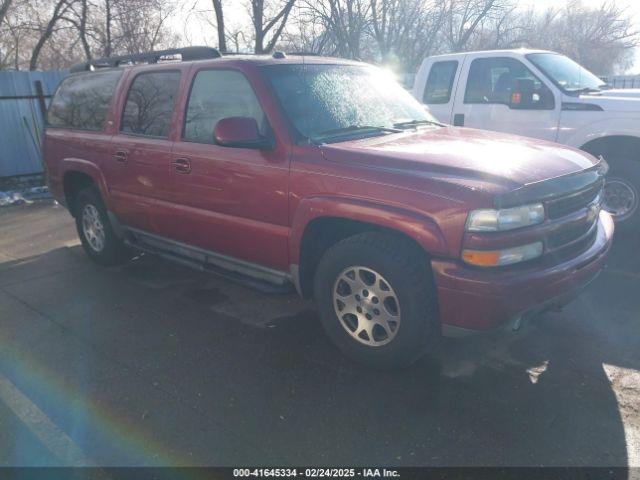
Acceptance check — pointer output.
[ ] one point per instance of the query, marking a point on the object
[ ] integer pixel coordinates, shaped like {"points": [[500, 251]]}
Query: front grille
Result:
{"points": [[567, 236], [574, 249], [572, 203]]}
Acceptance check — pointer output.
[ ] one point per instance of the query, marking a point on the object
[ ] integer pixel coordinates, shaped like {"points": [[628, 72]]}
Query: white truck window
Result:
{"points": [[506, 81], [440, 82]]}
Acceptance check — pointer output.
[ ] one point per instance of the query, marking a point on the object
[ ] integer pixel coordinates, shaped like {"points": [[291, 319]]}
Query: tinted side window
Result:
{"points": [[150, 104], [82, 101], [440, 82], [507, 81], [218, 94]]}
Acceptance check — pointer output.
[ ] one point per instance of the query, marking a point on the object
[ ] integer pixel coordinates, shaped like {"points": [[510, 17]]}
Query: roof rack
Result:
{"points": [[186, 54], [305, 54]]}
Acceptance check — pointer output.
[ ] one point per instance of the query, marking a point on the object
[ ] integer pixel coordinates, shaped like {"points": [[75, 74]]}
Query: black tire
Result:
{"points": [[113, 251], [624, 175], [406, 268]]}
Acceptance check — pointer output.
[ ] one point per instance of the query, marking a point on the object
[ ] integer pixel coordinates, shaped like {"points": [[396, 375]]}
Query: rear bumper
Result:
{"points": [[480, 299]]}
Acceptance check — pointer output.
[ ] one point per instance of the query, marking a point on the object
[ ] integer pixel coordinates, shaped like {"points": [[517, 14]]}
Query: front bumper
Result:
{"points": [[480, 299]]}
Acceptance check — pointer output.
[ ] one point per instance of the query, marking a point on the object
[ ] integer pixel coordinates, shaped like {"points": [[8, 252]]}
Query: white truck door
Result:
{"points": [[503, 94], [435, 86]]}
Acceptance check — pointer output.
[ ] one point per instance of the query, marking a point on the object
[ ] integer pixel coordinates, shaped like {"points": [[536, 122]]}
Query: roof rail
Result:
{"points": [[186, 54]]}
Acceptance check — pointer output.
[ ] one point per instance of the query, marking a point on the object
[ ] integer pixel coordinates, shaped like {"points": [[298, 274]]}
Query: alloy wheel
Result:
{"points": [[366, 305], [620, 198], [93, 228]]}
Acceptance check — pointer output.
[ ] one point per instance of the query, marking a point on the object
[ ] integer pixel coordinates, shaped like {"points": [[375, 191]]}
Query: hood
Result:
{"points": [[614, 100], [621, 92], [464, 155]]}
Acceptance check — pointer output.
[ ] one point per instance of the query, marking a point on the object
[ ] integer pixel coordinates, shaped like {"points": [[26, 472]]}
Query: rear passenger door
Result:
{"points": [[438, 92], [229, 200], [141, 149]]}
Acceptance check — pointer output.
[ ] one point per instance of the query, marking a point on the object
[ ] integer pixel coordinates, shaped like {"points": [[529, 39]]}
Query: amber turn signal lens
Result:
{"points": [[481, 258], [508, 256]]}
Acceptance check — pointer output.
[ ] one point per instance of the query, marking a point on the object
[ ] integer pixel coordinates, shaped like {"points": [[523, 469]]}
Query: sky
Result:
{"points": [[197, 31]]}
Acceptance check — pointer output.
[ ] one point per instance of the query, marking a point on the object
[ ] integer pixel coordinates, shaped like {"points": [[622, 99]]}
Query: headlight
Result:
{"points": [[507, 256], [505, 219]]}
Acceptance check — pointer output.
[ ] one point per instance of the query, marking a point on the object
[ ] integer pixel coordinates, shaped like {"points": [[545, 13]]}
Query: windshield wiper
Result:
{"points": [[414, 123], [353, 129]]}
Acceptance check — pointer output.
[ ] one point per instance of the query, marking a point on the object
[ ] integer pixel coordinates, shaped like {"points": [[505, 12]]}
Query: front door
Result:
{"points": [[232, 201], [502, 94]]}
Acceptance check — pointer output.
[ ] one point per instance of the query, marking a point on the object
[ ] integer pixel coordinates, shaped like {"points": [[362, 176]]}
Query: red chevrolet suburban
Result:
{"points": [[324, 174]]}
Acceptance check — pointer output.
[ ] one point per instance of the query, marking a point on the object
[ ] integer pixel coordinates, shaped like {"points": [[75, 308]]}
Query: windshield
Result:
{"points": [[335, 102], [565, 73]]}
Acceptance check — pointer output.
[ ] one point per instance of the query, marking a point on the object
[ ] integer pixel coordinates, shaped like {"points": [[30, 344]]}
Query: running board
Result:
{"points": [[258, 277]]}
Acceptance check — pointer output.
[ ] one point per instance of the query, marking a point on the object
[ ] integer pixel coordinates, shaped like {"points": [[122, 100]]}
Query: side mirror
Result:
{"points": [[240, 132]]}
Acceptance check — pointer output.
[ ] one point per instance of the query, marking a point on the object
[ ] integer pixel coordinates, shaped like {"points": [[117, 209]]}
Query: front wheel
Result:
{"points": [[621, 188], [376, 299]]}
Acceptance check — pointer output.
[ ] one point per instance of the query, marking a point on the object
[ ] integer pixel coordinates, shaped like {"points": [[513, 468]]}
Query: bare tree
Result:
{"points": [[129, 26], [407, 30], [599, 38], [464, 17], [345, 22], [4, 8], [57, 33], [268, 18], [59, 10], [4, 51], [53, 34], [108, 18], [82, 28], [222, 38], [79, 21], [306, 32]]}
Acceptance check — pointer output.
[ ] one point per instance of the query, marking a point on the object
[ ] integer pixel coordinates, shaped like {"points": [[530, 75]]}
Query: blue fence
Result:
{"points": [[21, 120]]}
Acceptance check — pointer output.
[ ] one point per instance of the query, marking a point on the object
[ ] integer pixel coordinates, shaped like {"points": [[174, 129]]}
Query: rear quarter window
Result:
{"points": [[81, 102]]}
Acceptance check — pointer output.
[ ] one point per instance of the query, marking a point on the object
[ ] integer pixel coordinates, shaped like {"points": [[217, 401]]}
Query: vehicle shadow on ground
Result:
{"points": [[258, 368]]}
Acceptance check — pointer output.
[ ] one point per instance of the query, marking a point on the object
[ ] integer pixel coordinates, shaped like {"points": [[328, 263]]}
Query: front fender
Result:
{"points": [[423, 230], [625, 125]]}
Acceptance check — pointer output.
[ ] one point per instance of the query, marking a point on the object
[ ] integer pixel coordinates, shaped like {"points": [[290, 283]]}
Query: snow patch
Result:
{"points": [[27, 195]]}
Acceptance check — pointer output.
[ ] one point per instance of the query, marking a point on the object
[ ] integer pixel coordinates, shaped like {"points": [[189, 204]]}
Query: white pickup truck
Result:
{"points": [[544, 95]]}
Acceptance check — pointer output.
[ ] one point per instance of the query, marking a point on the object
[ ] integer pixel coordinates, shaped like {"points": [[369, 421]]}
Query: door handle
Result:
{"points": [[182, 165], [458, 120], [120, 156]]}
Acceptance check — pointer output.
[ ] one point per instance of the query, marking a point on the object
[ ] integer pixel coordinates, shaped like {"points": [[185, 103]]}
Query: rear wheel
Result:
{"points": [[98, 239], [377, 300]]}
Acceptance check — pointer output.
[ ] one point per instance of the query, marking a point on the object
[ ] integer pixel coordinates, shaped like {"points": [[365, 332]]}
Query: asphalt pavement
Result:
{"points": [[153, 364]]}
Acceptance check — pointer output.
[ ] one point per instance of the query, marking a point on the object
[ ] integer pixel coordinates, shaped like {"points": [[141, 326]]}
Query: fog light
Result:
{"points": [[508, 256]]}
